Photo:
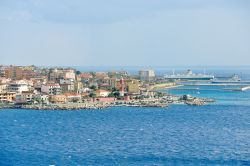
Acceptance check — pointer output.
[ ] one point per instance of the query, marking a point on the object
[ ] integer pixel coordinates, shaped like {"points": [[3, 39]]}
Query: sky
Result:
{"points": [[125, 32]]}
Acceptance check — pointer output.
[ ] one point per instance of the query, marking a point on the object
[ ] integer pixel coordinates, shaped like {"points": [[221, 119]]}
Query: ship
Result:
{"points": [[235, 79], [189, 75]]}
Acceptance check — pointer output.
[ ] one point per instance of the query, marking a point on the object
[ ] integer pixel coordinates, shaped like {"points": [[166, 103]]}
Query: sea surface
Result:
{"points": [[216, 134]]}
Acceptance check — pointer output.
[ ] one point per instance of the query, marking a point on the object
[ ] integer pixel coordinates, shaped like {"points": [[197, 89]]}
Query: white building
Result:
{"points": [[102, 93], [18, 87], [70, 74], [147, 75], [3, 87]]}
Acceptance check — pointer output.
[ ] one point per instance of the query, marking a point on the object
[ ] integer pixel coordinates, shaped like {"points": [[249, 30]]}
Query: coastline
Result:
{"points": [[156, 103], [161, 102]]}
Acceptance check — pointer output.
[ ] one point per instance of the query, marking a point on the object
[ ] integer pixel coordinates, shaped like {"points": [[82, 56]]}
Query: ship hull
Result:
{"points": [[190, 78]]}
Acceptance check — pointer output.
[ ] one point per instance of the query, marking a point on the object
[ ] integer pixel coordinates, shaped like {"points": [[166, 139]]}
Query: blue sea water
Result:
{"points": [[216, 134], [221, 94], [178, 135]]}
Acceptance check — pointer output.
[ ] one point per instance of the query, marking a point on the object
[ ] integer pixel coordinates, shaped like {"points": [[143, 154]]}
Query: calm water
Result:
{"points": [[179, 135], [217, 134]]}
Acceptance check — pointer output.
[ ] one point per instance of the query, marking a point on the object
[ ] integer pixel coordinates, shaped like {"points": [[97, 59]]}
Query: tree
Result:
{"points": [[114, 89], [92, 95], [75, 100], [116, 94], [111, 95], [78, 72], [93, 87]]}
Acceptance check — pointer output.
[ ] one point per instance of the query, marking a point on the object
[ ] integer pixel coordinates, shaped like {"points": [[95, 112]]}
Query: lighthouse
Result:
{"points": [[122, 87]]}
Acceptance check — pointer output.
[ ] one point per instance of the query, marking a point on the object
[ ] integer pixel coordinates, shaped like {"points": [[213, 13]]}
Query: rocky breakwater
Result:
{"points": [[97, 105], [144, 103], [68, 106], [195, 101]]}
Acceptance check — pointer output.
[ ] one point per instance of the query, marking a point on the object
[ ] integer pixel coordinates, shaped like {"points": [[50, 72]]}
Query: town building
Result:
{"points": [[112, 82], [3, 87], [133, 86], [58, 99], [24, 97], [67, 85], [147, 75], [51, 89], [41, 98], [18, 87], [73, 97], [57, 74], [13, 72], [102, 93], [7, 97]]}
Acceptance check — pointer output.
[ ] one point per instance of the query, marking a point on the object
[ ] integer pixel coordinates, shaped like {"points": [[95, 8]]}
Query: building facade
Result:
{"points": [[147, 75]]}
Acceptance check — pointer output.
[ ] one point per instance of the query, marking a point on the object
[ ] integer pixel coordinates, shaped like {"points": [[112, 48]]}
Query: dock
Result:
{"points": [[209, 84], [245, 88], [238, 89]]}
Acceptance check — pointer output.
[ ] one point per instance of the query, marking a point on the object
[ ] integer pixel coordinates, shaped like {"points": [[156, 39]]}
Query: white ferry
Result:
{"points": [[189, 75]]}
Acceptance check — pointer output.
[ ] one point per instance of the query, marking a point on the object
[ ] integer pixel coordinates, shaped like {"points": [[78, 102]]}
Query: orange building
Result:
{"points": [[7, 96]]}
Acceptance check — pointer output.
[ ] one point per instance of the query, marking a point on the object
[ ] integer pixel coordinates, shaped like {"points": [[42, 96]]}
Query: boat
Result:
{"points": [[189, 75]]}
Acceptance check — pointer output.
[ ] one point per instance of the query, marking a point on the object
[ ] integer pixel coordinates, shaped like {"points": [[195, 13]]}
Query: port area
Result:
{"points": [[209, 83], [241, 86]]}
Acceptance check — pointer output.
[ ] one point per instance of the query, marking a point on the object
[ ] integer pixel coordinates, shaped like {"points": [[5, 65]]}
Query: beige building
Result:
{"points": [[73, 97], [56, 74], [58, 99], [24, 97], [14, 72], [133, 86], [69, 74], [78, 86]]}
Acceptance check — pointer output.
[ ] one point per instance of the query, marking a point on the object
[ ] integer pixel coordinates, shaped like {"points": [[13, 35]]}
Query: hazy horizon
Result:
{"points": [[112, 33]]}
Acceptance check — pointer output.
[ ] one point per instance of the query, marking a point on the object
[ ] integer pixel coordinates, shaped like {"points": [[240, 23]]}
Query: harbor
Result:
{"points": [[68, 89]]}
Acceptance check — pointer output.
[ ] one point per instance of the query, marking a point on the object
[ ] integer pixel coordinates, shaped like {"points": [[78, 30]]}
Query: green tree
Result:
{"points": [[111, 95], [78, 72], [92, 95], [93, 87]]}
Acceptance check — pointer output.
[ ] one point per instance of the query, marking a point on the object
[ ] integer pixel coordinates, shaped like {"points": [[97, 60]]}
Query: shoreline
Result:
{"points": [[162, 102], [102, 105]]}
